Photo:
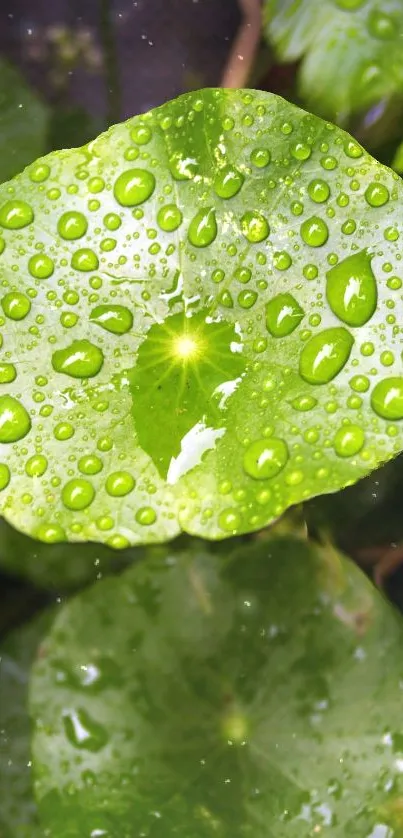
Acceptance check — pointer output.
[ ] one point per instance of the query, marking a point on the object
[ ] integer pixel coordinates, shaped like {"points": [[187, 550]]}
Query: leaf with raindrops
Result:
{"points": [[350, 50], [234, 692], [18, 815], [199, 321]]}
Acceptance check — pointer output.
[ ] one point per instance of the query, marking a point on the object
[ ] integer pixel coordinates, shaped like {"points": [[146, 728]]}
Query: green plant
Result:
{"points": [[200, 330], [350, 51]]}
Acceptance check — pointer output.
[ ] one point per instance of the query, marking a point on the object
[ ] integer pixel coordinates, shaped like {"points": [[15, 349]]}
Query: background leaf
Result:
{"points": [[200, 323], [247, 692], [23, 122], [18, 817], [350, 50]]}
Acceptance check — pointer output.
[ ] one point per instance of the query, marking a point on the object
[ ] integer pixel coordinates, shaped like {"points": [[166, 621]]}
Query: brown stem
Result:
{"points": [[244, 48]]}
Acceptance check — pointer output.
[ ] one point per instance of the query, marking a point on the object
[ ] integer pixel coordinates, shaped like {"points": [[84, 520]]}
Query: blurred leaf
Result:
{"points": [[18, 818], [350, 50], [257, 692], [23, 122], [200, 329]]}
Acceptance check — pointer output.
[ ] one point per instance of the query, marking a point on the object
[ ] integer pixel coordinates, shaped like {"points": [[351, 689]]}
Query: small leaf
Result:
{"points": [[18, 816], [238, 692], [23, 122], [200, 323], [350, 50]]}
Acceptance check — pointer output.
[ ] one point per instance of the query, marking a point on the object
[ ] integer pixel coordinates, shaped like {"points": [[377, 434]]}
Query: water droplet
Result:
{"points": [[72, 225], [247, 299], [5, 476], [77, 494], [39, 172], [8, 373], [352, 149], [255, 226], [90, 464], [115, 319], [68, 319], [314, 231], [36, 465], [301, 151], [182, 166], [14, 420], [133, 187], [260, 157], [229, 520], [146, 516], [41, 266], [169, 218], [349, 440], [310, 271], [15, 214], [96, 184], [387, 398], [15, 305], [203, 228], [84, 260], [376, 194], [228, 181], [359, 383], [351, 289], [318, 190], [325, 354], [80, 360], [282, 260], [381, 25], [83, 732], [119, 484], [63, 431], [141, 134], [283, 315], [304, 403], [265, 458]]}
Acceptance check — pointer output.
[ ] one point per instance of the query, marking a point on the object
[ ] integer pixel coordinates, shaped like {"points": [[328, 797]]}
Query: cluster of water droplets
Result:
{"points": [[292, 239]]}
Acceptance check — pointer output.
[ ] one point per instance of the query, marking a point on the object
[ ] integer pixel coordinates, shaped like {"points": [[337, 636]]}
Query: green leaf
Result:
{"points": [[249, 692], [200, 323], [351, 50], [23, 122], [18, 816]]}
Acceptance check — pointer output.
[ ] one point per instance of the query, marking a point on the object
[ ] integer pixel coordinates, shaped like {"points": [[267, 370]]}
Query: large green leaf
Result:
{"points": [[18, 817], [200, 323], [251, 692], [23, 122], [351, 50]]}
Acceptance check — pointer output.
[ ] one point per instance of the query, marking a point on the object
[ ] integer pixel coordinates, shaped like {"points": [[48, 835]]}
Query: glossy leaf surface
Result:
{"points": [[350, 50], [199, 321], [250, 692]]}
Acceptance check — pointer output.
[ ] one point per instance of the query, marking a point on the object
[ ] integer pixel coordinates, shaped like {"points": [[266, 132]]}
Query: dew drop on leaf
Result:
{"points": [[81, 359], [41, 266], [314, 231], [387, 398], [228, 181], [169, 218], [113, 318], [15, 422], [376, 194], [8, 373], [283, 315], [83, 732], [254, 226], [133, 187], [318, 190], [265, 458], [119, 484], [324, 355], [203, 228], [14, 215], [349, 440], [351, 289], [15, 305], [72, 225], [77, 494]]}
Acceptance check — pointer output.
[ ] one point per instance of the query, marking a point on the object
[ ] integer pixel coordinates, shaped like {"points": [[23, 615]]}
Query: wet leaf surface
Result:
{"points": [[199, 323], [247, 692]]}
